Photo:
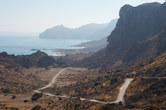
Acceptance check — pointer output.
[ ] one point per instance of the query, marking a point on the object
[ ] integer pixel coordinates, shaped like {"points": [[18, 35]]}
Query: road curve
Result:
{"points": [[122, 90], [50, 84], [119, 98], [153, 77], [52, 81]]}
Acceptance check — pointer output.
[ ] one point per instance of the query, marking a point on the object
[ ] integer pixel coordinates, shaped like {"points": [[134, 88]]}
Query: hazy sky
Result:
{"points": [[27, 16]]}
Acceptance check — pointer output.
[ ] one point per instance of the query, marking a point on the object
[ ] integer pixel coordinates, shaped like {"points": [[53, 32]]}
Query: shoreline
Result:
{"points": [[61, 52]]}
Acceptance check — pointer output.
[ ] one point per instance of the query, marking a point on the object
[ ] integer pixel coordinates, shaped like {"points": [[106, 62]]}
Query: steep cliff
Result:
{"points": [[139, 34]]}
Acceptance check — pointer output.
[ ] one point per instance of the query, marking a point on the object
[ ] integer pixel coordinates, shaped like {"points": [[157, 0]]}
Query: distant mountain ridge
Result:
{"points": [[88, 31], [96, 45]]}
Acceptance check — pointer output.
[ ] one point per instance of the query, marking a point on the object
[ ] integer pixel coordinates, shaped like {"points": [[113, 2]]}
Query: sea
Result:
{"points": [[27, 45]]}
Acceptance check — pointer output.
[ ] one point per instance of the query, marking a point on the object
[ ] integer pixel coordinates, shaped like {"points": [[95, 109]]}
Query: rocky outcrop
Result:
{"points": [[38, 59], [45, 61], [139, 34]]}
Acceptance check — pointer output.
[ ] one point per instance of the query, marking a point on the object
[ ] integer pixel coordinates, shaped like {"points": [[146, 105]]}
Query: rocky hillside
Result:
{"points": [[139, 34], [146, 90], [38, 59]]}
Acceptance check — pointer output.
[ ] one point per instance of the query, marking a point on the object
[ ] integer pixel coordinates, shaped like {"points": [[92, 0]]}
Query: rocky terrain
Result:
{"points": [[146, 90], [136, 50], [19, 73], [139, 34], [38, 59]]}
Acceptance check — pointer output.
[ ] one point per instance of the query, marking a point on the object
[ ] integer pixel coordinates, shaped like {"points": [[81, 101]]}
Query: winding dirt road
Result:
{"points": [[122, 90], [52, 81], [120, 97]]}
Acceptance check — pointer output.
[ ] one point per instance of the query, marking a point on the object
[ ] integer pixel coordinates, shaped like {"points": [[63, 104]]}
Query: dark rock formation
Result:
{"points": [[25, 101], [139, 34], [37, 107], [3, 54], [13, 97], [38, 59], [46, 61], [5, 90], [36, 96]]}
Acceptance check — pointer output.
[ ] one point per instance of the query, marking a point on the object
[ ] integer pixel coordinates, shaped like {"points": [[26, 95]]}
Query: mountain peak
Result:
{"points": [[83, 32], [139, 34], [61, 25], [151, 4]]}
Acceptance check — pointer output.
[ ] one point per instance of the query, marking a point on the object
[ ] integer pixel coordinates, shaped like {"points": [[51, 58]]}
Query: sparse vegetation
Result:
{"points": [[37, 107], [36, 96], [136, 49]]}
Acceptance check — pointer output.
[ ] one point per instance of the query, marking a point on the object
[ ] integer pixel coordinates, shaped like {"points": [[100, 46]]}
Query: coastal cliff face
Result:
{"points": [[139, 34], [135, 25]]}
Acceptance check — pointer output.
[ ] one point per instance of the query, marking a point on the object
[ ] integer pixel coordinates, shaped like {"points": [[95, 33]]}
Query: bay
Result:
{"points": [[24, 45]]}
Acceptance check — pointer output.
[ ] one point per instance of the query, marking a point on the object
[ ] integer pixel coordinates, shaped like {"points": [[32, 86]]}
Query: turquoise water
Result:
{"points": [[23, 45]]}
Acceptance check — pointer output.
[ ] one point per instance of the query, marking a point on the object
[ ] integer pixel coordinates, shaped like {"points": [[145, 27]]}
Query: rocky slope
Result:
{"points": [[139, 34], [15, 71], [38, 59], [138, 39], [146, 90]]}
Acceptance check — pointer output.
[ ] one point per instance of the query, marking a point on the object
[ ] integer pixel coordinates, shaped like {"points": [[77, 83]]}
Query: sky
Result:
{"points": [[31, 17]]}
